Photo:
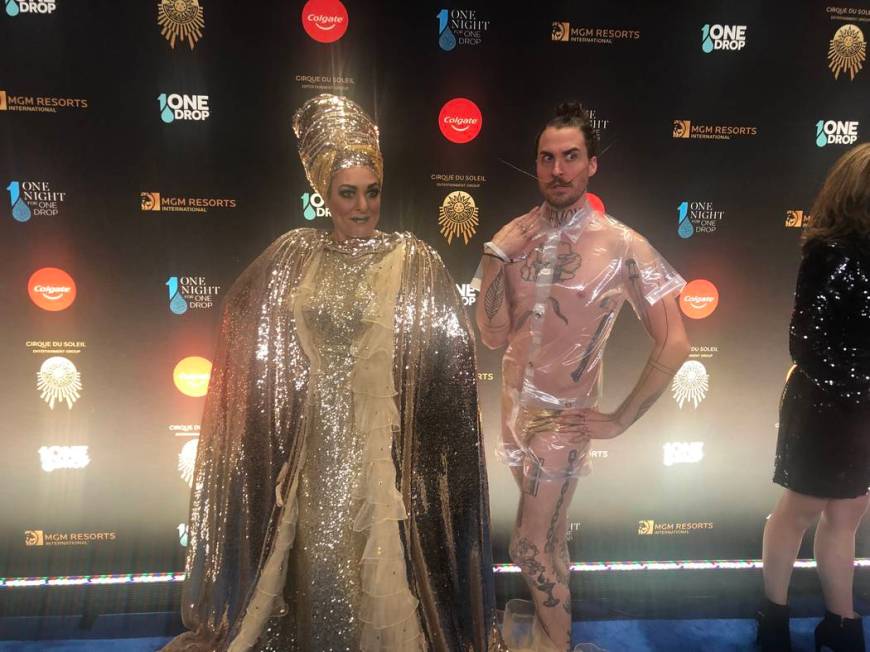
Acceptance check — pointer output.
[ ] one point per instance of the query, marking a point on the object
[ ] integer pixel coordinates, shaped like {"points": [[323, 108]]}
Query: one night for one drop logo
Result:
{"points": [[15, 7], [183, 107], [836, 132], [190, 293], [723, 37], [33, 198]]}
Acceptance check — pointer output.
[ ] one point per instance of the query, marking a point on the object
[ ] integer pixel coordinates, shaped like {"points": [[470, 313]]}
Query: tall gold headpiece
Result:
{"points": [[335, 133]]}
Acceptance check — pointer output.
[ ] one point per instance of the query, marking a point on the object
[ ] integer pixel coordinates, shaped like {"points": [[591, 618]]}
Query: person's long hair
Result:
{"points": [[842, 207]]}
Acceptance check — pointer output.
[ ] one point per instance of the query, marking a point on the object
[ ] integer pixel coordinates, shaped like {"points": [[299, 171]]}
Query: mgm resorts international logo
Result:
{"points": [[847, 51], [16, 7], [154, 201], [655, 528], [563, 32], [691, 384], [697, 217], [39, 104], [180, 20], [191, 293], [723, 37], [797, 219], [33, 198], [313, 206], [460, 27], [689, 129], [43, 538], [836, 132], [458, 215], [175, 106]]}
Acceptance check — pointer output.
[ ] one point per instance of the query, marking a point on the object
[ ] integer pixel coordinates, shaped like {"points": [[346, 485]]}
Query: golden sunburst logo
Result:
{"points": [[458, 216], [181, 20], [691, 384], [187, 461], [59, 381], [847, 51]]}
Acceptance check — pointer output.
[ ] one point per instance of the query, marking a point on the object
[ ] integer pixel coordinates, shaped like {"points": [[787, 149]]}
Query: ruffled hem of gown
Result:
{"points": [[388, 609]]}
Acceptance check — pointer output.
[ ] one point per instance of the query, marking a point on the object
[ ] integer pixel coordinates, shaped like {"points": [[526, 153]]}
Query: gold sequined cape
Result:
{"points": [[251, 428]]}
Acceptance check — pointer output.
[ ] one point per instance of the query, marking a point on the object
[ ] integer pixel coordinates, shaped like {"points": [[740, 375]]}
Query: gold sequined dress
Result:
{"points": [[340, 491]]}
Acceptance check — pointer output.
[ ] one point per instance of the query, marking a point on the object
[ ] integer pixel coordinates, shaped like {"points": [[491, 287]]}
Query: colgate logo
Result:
{"points": [[699, 299], [51, 289], [460, 120], [325, 21], [51, 292], [457, 123]]}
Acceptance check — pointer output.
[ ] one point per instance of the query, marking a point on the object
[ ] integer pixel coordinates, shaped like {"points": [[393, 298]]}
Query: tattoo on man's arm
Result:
{"points": [[646, 405], [494, 297]]}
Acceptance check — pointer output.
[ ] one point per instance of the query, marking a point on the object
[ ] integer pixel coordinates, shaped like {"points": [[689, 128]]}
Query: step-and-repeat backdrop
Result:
{"points": [[146, 157]]}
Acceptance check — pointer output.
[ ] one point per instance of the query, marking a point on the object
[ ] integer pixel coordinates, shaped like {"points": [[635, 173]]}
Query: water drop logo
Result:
{"points": [[313, 206], [706, 41], [20, 209], [821, 137], [177, 303], [446, 38], [685, 227], [166, 112], [182, 534], [12, 9]]}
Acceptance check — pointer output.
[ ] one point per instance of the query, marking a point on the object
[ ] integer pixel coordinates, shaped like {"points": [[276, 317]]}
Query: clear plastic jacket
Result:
{"points": [[252, 444], [564, 294]]}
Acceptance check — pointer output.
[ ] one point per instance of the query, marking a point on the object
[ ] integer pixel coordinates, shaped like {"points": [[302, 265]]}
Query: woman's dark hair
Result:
{"points": [[842, 207], [571, 115]]}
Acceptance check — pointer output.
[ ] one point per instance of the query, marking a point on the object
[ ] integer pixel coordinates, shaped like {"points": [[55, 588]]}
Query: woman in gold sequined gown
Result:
{"points": [[340, 496]]}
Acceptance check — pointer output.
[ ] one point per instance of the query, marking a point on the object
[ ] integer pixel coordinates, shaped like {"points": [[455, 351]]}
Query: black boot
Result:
{"points": [[840, 634], [773, 634]]}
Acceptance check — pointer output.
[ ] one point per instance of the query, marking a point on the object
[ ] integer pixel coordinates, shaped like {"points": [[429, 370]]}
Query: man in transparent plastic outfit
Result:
{"points": [[553, 283]]}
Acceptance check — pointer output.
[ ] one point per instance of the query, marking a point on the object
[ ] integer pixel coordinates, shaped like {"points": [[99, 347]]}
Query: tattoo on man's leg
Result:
{"points": [[550, 546], [534, 480], [525, 555]]}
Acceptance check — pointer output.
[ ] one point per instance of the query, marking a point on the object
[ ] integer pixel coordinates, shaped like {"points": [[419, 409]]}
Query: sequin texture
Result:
{"points": [[257, 419], [824, 437]]}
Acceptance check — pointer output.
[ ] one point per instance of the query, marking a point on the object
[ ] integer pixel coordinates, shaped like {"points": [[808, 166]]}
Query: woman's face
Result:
{"points": [[355, 203]]}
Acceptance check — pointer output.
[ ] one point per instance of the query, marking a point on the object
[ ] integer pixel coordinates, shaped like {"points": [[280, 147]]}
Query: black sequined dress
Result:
{"points": [[824, 433]]}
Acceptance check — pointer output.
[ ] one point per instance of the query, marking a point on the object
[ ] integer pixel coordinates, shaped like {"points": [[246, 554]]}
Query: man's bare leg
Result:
{"points": [[538, 545]]}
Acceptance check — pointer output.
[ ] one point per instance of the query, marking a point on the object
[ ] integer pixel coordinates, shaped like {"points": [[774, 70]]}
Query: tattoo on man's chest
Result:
{"points": [[565, 266]]}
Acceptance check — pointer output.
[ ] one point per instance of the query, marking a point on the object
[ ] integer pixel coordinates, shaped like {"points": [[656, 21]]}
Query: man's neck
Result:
{"points": [[557, 217]]}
